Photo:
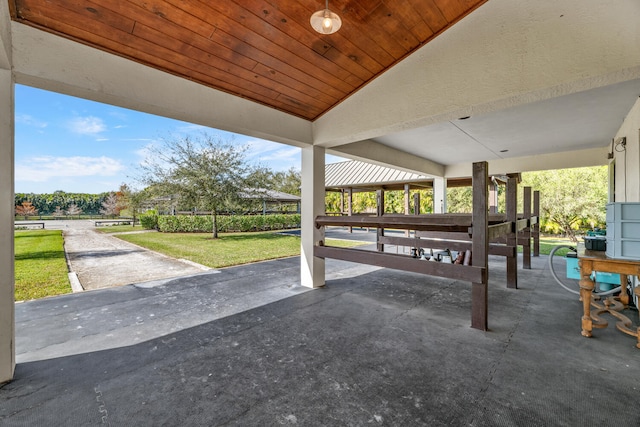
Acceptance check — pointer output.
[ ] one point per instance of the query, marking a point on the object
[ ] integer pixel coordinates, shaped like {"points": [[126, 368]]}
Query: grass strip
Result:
{"points": [[40, 265], [108, 229], [229, 249]]}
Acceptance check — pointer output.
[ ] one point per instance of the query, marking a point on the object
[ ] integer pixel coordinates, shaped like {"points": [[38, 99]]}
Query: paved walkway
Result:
{"points": [[102, 261], [247, 346]]}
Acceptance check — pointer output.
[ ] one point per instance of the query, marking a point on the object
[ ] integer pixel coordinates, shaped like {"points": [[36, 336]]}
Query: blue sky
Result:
{"points": [[75, 145]]}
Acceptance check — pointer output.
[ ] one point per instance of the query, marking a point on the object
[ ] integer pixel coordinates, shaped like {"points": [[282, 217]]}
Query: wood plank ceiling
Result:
{"points": [[262, 50]]}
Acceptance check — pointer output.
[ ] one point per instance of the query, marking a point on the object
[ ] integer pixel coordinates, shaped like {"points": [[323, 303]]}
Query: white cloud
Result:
{"points": [[269, 152], [45, 168], [28, 120], [88, 125]]}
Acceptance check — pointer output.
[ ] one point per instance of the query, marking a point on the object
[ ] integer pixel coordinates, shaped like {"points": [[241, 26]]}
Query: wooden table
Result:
{"points": [[590, 261]]}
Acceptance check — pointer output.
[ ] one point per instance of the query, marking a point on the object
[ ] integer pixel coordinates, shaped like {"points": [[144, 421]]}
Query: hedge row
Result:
{"points": [[226, 223]]}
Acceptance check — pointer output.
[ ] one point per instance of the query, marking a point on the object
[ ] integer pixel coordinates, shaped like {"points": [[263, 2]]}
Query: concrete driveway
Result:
{"points": [[100, 260]]}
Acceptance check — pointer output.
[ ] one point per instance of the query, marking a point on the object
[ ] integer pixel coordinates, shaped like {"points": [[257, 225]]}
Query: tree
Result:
{"points": [[207, 173], [26, 209], [73, 209], [110, 205], [58, 213], [288, 182], [131, 200], [570, 198]]}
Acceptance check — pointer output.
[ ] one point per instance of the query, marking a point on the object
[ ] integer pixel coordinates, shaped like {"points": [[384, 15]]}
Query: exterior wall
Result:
{"points": [[627, 161], [7, 329], [312, 271]]}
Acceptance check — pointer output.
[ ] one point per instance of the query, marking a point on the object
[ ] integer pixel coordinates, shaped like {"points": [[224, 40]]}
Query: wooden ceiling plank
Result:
{"points": [[404, 12], [354, 61], [287, 16], [298, 91], [253, 35], [283, 68], [355, 33], [412, 20], [275, 20], [158, 57], [312, 94], [374, 30], [197, 34], [431, 14], [454, 10], [127, 39], [393, 25], [239, 47], [262, 50]]}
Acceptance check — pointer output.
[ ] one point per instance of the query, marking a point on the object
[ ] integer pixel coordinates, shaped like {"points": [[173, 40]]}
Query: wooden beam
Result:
{"points": [[498, 230], [480, 246], [511, 215], [525, 233], [350, 205], [403, 262], [407, 205], [380, 211], [535, 229], [430, 222], [456, 245]]}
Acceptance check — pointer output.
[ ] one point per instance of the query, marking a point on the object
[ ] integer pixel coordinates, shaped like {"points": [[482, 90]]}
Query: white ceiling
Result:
{"points": [[578, 121]]}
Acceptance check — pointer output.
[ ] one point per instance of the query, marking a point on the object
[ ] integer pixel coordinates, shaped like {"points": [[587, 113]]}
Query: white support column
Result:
{"points": [[7, 319], [311, 267], [439, 195]]}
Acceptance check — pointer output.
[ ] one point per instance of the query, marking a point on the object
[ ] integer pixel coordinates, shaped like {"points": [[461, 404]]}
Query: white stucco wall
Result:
{"points": [[7, 331], [5, 36], [627, 160]]}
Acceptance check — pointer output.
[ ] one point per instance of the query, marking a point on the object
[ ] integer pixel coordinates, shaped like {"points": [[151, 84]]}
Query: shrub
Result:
{"points": [[149, 220], [226, 223]]}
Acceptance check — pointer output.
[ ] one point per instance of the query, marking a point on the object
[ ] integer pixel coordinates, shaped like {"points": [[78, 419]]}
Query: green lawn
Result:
{"points": [[41, 270], [229, 249], [118, 228], [547, 243], [40, 265]]}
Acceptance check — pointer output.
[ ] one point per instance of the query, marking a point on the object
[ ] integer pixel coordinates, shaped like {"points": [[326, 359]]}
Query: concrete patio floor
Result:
{"points": [[247, 346]]}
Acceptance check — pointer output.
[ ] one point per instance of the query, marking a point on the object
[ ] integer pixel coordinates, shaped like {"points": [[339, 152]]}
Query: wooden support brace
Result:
{"points": [[380, 212], [535, 229], [526, 232], [511, 215], [480, 246], [455, 245], [402, 262]]}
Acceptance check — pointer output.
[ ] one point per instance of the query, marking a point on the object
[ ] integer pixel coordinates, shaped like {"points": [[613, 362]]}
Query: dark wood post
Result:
{"points": [[511, 199], [526, 233], [350, 205], [380, 212], [416, 203], [480, 246], [536, 227], [407, 206]]}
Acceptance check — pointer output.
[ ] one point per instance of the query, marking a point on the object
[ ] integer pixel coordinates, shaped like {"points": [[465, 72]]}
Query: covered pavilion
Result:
{"points": [[426, 86]]}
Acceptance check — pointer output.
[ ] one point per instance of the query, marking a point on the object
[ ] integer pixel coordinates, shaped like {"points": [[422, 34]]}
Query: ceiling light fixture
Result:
{"points": [[324, 21]]}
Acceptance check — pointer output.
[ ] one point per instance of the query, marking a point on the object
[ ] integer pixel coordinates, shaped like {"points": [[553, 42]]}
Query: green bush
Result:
{"points": [[226, 223], [149, 220]]}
